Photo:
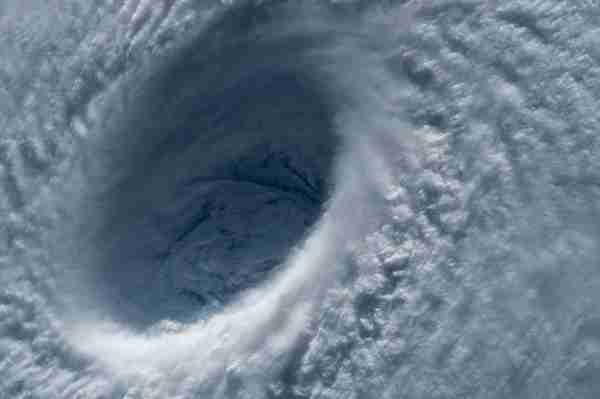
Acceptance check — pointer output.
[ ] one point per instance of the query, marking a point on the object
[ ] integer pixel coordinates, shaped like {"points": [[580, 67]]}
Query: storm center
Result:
{"points": [[220, 201]]}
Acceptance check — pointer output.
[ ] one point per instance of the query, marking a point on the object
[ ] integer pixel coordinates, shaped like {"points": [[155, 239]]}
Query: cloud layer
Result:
{"points": [[456, 255]]}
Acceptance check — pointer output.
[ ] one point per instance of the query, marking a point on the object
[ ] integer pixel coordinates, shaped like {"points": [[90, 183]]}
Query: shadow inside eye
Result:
{"points": [[235, 181]]}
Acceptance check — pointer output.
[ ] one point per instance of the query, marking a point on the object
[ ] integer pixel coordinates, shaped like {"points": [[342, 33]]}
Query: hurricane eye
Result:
{"points": [[234, 183]]}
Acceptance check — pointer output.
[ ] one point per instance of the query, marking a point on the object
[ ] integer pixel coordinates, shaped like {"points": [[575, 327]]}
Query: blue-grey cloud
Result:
{"points": [[299, 200]]}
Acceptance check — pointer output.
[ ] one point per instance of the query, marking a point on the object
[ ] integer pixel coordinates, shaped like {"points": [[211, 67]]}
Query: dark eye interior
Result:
{"points": [[232, 182]]}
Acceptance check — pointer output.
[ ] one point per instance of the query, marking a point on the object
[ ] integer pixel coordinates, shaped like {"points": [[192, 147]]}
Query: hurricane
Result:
{"points": [[299, 199]]}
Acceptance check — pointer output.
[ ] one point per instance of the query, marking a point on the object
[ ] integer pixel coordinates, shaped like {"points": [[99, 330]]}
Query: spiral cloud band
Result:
{"points": [[310, 199]]}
